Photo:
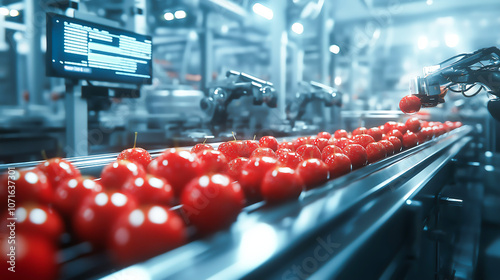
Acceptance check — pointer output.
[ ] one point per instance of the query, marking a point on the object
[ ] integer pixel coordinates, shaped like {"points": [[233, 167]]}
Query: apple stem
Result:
{"points": [[44, 155], [135, 139], [254, 136], [234, 135], [205, 141]]}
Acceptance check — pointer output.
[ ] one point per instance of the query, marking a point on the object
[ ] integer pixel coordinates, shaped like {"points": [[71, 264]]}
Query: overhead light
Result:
{"points": [[334, 49], [14, 13], [422, 42], [429, 2], [168, 16], [451, 40], [180, 14], [338, 81], [193, 35], [4, 11], [298, 28], [263, 11]]}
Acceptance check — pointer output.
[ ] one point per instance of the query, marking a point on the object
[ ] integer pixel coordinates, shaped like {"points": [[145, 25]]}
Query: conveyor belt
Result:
{"points": [[322, 235]]}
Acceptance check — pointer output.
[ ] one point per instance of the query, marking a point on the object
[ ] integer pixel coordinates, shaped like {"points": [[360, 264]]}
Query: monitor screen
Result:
{"points": [[84, 50]]}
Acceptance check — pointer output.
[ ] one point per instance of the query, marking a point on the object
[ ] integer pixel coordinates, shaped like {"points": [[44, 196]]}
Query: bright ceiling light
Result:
{"points": [[4, 11], [193, 35], [338, 81], [429, 2], [14, 13], [168, 16], [334, 49], [180, 14], [422, 42], [298, 28], [263, 11], [451, 40]]}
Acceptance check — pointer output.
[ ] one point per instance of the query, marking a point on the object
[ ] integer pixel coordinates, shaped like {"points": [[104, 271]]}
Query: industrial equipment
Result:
{"points": [[465, 71], [310, 92], [235, 86]]}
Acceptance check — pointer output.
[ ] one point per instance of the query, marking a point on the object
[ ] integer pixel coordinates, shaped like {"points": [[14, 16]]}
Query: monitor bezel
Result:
{"points": [[50, 71]]}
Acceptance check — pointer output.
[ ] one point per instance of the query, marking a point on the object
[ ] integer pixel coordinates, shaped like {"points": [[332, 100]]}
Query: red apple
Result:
{"points": [[252, 174], [324, 135], [357, 155], [138, 156], [341, 133], [230, 149], [212, 161], [268, 142], [359, 131], [375, 151], [212, 202], [145, 232], [410, 140], [287, 145], [35, 218], [338, 164], [389, 147], [25, 186], [299, 142], [410, 104], [290, 159], [178, 167], [149, 189], [247, 147], [395, 132], [396, 143], [363, 139], [91, 221], [413, 124], [36, 257], [117, 173], [57, 170], [320, 143], [401, 127], [309, 151], [342, 142], [263, 152], [376, 133], [389, 126], [201, 147], [235, 166], [281, 184], [313, 172], [69, 193], [330, 149]]}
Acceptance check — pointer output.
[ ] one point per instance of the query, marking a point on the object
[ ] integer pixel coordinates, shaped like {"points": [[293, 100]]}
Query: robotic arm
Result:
{"points": [[236, 85], [310, 92], [459, 74]]}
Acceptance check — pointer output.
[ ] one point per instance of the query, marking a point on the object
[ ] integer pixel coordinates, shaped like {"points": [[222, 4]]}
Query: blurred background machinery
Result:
{"points": [[368, 50]]}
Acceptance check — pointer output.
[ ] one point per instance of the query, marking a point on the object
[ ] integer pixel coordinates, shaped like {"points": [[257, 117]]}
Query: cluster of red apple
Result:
{"points": [[141, 206]]}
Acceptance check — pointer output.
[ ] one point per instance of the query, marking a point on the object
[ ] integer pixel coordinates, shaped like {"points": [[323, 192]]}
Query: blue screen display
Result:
{"points": [[84, 50]]}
